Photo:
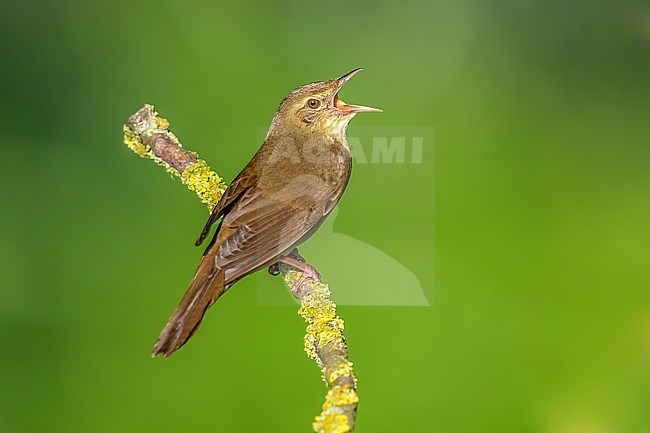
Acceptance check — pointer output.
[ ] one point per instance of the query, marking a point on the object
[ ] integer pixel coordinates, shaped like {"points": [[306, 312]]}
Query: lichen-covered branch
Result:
{"points": [[148, 136]]}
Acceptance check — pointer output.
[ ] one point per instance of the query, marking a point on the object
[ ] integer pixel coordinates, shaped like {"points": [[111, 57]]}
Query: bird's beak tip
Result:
{"points": [[352, 108], [345, 78]]}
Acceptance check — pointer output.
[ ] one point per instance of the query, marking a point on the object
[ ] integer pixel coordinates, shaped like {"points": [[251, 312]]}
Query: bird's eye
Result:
{"points": [[313, 103]]}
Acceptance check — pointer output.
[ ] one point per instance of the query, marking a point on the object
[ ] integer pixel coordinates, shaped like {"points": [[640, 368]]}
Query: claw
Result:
{"points": [[299, 264], [307, 272], [274, 269]]}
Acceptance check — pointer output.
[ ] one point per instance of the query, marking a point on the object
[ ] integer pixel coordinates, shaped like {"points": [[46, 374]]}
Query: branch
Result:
{"points": [[148, 136]]}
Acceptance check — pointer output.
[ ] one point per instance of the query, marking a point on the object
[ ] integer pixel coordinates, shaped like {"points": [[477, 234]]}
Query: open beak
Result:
{"points": [[347, 107]]}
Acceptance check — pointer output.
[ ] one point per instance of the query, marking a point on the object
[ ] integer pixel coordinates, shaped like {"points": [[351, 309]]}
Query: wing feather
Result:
{"points": [[256, 239], [240, 188]]}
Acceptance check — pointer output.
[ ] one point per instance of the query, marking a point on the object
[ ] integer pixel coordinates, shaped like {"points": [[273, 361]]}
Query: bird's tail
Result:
{"points": [[206, 287]]}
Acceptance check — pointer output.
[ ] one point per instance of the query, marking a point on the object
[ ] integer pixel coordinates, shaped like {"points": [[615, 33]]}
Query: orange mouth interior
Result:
{"points": [[340, 104]]}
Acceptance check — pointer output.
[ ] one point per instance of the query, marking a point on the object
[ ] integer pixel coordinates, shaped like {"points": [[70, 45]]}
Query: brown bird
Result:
{"points": [[277, 201]]}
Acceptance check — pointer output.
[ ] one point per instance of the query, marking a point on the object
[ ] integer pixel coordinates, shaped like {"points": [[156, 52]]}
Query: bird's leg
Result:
{"points": [[274, 268], [294, 253], [296, 261]]}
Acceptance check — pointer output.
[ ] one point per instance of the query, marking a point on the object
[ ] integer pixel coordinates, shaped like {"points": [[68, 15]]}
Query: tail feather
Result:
{"points": [[206, 287]]}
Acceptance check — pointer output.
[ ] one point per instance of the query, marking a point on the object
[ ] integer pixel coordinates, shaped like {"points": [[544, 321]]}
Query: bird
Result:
{"points": [[277, 201]]}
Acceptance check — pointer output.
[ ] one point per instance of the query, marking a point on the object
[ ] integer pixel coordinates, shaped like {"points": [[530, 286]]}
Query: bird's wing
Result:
{"points": [[334, 197], [344, 169], [238, 189], [252, 236]]}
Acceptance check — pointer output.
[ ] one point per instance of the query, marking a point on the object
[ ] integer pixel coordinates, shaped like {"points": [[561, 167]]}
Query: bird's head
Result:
{"points": [[316, 108]]}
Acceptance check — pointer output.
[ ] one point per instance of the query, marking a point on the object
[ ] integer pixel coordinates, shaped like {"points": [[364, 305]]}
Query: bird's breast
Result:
{"points": [[303, 164]]}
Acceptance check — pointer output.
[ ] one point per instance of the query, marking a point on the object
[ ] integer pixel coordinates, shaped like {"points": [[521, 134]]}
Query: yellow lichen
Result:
{"points": [[339, 396], [310, 347], [198, 177], [132, 140], [205, 183], [161, 122], [323, 325], [339, 370], [333, 419], [331, 423], [329, 332]]}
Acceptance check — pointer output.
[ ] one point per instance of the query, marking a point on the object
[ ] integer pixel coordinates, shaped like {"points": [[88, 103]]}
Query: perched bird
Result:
{"points": [[277, 201]]}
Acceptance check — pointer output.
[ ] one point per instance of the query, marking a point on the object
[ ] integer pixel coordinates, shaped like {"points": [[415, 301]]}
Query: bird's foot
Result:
{"points": [[274, 269], [308, 271]]}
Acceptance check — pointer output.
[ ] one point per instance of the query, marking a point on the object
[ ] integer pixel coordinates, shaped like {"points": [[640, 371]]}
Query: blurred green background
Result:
{"points": [[532, 207]]}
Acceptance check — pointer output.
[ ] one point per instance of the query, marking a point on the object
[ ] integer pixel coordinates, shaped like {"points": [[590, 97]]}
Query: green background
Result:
{"points": [[526, 223]]}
